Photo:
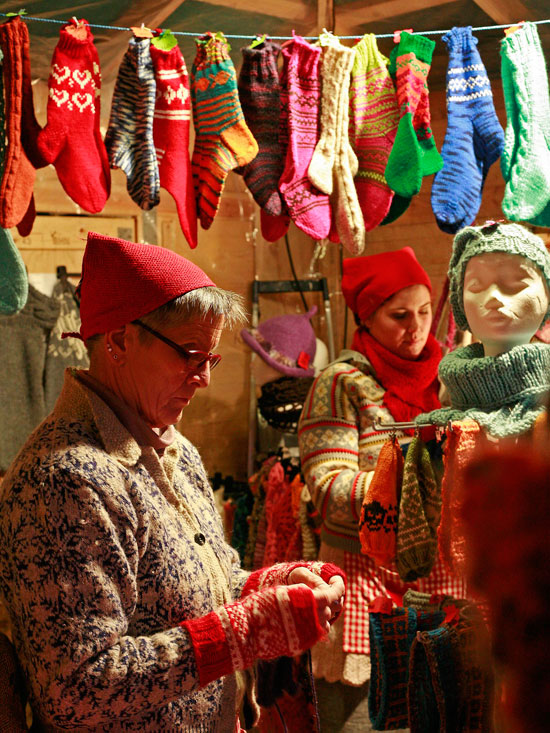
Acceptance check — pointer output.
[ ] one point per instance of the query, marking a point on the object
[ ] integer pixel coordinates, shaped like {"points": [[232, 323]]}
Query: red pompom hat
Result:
{"points": [[368, 281], [122, 281]]}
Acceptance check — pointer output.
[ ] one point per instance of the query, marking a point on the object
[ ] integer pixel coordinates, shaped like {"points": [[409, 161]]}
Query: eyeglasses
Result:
{"points": [[196, 359]]}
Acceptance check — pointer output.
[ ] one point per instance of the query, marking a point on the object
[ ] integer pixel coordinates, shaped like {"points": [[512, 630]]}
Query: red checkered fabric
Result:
{"points": [[366, 581]]}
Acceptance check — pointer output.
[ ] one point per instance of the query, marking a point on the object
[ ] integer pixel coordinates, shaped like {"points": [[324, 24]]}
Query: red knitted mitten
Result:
{"points": [[278, 574], [171, 135], [71, 139], [272, 623]]}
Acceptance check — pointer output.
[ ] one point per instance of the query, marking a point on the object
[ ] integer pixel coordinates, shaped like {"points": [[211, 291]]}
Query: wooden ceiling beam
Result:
{"points": [[286, 10], [357, 13], [325, 15], [505, 11]]}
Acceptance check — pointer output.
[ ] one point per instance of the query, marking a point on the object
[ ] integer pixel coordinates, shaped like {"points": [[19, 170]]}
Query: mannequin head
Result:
{"points": [[499, 278], [505, 300]]}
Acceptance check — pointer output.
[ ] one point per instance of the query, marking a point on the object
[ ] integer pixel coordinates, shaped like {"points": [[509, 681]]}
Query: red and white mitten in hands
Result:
{"points": [[275, 622], [279, 574]]}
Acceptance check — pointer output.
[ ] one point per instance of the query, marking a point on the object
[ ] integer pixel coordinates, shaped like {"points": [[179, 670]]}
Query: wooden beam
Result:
{"points": [[506, 11], [358, 13], [325, 15], [285, 10]]}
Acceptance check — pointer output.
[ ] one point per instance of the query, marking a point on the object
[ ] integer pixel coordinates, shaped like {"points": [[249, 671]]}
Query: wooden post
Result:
{"points": [[325, 15]]}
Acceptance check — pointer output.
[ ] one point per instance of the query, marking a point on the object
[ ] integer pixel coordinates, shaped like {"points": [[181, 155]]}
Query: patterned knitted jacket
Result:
{"points": [[104, 550], [338, 445]]}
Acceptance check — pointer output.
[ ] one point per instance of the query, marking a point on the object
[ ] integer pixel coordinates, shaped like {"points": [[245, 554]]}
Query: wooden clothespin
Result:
{"points": [[397, 34], [513, 28], [141, 31]]}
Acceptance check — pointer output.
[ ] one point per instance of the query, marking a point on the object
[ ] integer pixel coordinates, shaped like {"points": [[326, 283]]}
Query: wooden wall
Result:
{"points": [[233, 252]]}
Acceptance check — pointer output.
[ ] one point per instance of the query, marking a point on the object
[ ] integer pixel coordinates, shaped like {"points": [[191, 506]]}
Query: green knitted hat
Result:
{"points": [[14, 284], [471, 241]]}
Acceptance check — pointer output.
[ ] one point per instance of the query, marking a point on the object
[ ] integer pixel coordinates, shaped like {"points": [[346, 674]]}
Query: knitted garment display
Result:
{"points": [[14, 283], [392, 632], [18, 174], [413, 154], [282, 400], [259, 92], [172, 118], [129, 138], [374, 117], [510, 238], [474, 137], [450, 686], [419, 514], [378, 524], [71, 139], [283, 535], [463, 439], [308, 207], [502, 393], [223, 140], [525, 161], [411, 385]]}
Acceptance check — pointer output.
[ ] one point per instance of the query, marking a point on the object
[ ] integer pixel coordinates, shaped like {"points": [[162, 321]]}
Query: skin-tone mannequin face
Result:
{"points": [[402, 323], [505, 299]]}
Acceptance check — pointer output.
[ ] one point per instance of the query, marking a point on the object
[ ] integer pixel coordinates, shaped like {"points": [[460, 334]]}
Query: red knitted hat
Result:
{"points": [[122, 281], [368, 281]]}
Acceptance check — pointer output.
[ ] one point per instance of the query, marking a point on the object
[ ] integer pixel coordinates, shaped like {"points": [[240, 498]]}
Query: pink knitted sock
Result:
{"points": [[308, 207]]}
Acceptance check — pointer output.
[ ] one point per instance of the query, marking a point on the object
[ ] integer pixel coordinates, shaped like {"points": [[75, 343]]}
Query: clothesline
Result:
{"points": [[275, 38]]}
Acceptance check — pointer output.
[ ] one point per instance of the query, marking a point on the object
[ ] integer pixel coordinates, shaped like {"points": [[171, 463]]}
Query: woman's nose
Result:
{"points": [[200, 376]]}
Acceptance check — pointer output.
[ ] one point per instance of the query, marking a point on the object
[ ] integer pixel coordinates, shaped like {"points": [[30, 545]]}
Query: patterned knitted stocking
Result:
{"points": [[347, 210], [71, 140], [259, 93], [474, 137], [404, 170], [129, 138], [18, 173], [525, 160], [374, 121], [308, 207], [171, 135], [14, 283]]}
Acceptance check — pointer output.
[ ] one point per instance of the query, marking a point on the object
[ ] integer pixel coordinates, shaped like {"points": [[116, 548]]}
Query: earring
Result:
{"points": [[110, 350]]}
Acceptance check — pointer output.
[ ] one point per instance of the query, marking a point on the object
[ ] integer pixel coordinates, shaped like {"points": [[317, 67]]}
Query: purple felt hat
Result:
{"points": [[287, 343]]}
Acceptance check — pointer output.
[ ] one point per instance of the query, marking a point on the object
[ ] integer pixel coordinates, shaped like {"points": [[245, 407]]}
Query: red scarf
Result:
{"points": [[411, 385]]}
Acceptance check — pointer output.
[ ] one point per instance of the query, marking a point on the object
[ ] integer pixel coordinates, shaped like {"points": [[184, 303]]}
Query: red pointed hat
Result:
{"points": [[122, 281], [368, 281]]}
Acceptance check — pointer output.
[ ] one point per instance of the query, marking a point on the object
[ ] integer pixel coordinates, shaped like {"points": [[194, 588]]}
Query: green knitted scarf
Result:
{"points": [[504, 393]]}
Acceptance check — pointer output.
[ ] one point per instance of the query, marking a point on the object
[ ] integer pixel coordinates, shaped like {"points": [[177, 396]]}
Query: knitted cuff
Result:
{"points": [[73, 46], [210, 646], [421, 46], [305, 59], [278, 575]]}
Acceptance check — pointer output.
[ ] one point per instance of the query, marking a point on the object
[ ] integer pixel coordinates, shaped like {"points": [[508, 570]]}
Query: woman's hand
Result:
{"points": [[329, 596]]}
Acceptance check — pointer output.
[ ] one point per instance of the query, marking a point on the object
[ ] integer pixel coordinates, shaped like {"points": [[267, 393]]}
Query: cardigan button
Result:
{"points": [[200, 539]]}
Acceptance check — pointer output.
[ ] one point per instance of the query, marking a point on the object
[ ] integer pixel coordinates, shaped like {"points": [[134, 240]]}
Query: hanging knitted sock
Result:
{"points": [[71, 139], [309, 208], [347, 210], [30, 129], [212, 159], [474, 137], [527, 166], [171, 135], [259, 93], [374, 120], [14, 283], [18, 174], [129, 139], [431, 160], [413, 59]]}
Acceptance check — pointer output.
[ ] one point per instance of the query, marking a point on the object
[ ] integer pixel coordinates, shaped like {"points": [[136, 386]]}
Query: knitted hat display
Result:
{"points": [[368, 281], [392, 632], [525, 161], [14, 283], [474, 137], [419, 514], [378, 523], [71, 139], [471, 241], [286, 343], [171, 123], [122, 281], [18, 174], [129, 138], [282, 400]]}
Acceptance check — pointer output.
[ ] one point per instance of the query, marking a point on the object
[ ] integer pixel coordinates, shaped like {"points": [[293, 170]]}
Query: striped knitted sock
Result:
{"points": [[404, 170], [308, 207], [129, 137], [171, 135], [474, 137], [374, 121], [259, 93], [526, 160]]}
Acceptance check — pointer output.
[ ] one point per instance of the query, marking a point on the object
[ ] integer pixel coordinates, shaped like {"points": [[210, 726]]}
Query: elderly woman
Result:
{"points": [[390, 374], [129, 610]]}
